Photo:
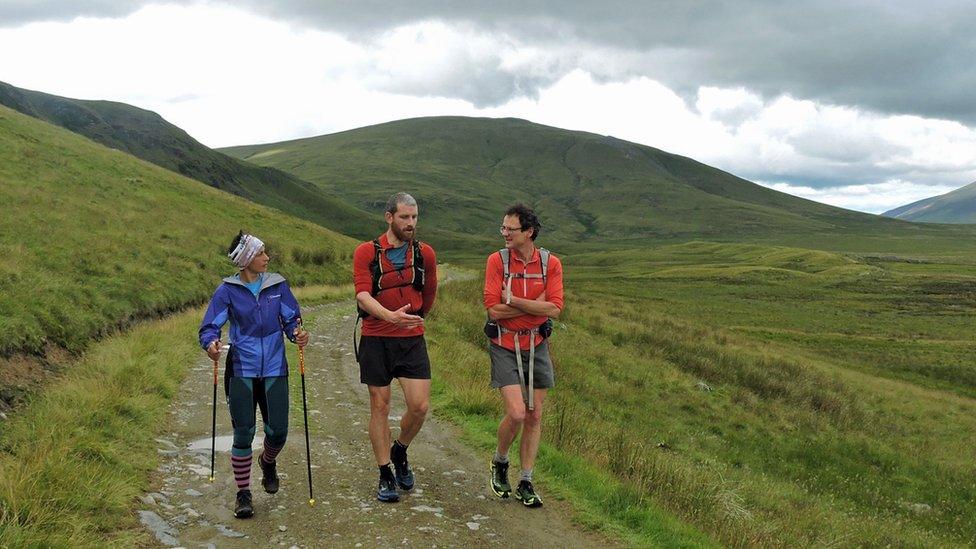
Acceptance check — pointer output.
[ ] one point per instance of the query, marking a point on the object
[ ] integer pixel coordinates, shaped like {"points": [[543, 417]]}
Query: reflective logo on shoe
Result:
{"points": [[499, 479]]}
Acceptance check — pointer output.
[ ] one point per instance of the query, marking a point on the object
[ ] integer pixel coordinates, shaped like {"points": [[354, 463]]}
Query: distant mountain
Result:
{"points": [[587, 187], [958, 206], [148, 136]]}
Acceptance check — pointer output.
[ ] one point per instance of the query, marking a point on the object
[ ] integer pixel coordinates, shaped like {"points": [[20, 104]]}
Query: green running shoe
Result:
{"points": [[526, 494], [499, 479]]}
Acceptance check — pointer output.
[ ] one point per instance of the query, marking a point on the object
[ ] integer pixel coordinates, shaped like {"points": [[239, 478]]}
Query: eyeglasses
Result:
{"points": [[503, 229]]}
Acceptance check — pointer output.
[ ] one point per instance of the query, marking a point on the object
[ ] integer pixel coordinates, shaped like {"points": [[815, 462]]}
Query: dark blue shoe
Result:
{"points": [[404, 474], [386, 491]]}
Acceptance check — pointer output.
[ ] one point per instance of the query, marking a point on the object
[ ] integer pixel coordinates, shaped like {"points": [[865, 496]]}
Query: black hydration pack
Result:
{"points": [[377, 273], [492, 329]]}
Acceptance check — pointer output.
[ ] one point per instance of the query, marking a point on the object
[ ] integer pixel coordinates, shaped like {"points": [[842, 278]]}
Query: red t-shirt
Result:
{"points": [[528, 288], [394, 297]]}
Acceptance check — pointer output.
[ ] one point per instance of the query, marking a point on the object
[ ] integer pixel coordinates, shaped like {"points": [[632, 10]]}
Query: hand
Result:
{"points": [[301, 336], [213, 351], [402, 319]]}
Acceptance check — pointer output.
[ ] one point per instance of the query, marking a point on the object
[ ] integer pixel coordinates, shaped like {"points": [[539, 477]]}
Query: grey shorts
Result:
{"points": [[504, 370]]}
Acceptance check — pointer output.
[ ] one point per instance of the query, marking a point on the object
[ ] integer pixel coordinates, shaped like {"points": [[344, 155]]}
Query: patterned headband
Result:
{"points": [[246, 249]]}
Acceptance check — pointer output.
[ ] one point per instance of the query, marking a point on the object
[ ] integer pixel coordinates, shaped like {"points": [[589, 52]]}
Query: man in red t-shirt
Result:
{"points": [[396, 282], [521, 304]]}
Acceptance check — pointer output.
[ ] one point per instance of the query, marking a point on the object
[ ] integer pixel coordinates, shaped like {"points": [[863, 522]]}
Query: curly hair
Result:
{"points": [[527, 218]]}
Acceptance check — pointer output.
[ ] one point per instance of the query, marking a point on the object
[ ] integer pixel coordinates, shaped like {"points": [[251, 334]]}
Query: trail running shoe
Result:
{"points": [[243, 509], [499, 479], [387, 489], [526, 494], [403, 473], [270, 478]]}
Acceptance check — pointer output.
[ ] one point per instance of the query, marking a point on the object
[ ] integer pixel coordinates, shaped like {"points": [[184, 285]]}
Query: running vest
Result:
{"points": [[377, 273]]}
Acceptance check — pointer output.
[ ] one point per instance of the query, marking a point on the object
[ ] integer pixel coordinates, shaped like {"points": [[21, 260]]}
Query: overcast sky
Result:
{"points": [[865, 105]]}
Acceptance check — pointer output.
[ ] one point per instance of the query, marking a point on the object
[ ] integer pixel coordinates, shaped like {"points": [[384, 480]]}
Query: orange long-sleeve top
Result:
{"points": [[528, 288]]}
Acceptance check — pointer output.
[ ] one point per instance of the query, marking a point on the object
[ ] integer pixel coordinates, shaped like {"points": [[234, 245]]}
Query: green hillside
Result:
{"points": [[587, 187], [93, 238], [148, 136], [958, 206]]}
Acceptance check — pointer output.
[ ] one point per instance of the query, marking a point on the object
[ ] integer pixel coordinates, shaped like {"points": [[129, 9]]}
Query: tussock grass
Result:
{"points": [[74, 459], [761, 414]]}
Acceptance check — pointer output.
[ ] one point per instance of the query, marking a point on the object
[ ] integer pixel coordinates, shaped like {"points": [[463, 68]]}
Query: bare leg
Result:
{"points": [[531, 432], [511, 424], [379, 423], [416, 392]]}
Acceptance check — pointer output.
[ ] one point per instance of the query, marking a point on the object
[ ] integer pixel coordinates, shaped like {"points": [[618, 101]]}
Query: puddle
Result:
{"points": [[221, 444]]}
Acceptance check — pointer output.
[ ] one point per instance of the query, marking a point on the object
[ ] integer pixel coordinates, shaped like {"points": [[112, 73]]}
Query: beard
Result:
{"points": [[401, 235]]}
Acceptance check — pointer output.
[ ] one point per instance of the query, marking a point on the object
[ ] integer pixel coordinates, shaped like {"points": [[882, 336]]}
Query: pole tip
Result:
{"points": [[311, 503], [211, 479]]}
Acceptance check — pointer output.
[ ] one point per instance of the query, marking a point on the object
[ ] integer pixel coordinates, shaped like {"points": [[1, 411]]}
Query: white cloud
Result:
{"points": [[229, 77], [873, 197]]}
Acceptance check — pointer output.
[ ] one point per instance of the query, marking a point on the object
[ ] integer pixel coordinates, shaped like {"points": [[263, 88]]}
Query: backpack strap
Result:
{"points": [[506, 257], [419, 273], [543, 258], [375, 270]]}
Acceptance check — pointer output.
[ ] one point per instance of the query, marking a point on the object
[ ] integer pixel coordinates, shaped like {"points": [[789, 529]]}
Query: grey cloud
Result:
{"points": [[842, 175], [893, 57], [19, 12], [897, 56], [840, 145]]}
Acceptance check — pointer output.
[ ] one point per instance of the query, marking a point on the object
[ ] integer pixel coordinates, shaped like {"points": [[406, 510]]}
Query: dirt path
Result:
{"points": [[450, 505]]}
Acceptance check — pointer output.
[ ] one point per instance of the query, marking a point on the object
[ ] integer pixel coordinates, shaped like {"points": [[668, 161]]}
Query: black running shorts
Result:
{"points": [[383, 358]]}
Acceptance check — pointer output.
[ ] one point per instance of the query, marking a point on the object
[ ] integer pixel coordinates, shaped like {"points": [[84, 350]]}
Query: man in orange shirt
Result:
{"points": [[396, 281], [523, 291]]}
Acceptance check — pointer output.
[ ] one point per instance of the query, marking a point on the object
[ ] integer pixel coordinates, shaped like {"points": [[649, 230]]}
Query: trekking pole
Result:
{"points": [[213, 423], [308, 451]]}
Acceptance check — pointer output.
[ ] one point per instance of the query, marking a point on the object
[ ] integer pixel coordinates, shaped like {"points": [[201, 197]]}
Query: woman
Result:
{"points": [[259, 306]]}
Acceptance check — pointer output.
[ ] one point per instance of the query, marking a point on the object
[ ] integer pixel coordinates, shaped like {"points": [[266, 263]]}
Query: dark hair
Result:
{"points": [[235, 242], [527, 218]]}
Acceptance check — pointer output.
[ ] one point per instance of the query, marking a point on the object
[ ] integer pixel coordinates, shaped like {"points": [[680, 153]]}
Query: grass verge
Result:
{"points": [[78, 454]]}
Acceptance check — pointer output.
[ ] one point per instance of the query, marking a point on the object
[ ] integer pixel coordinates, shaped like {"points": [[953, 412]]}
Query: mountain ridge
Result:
{"points": [[956, 206], [147, 135], [583, 183]]}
